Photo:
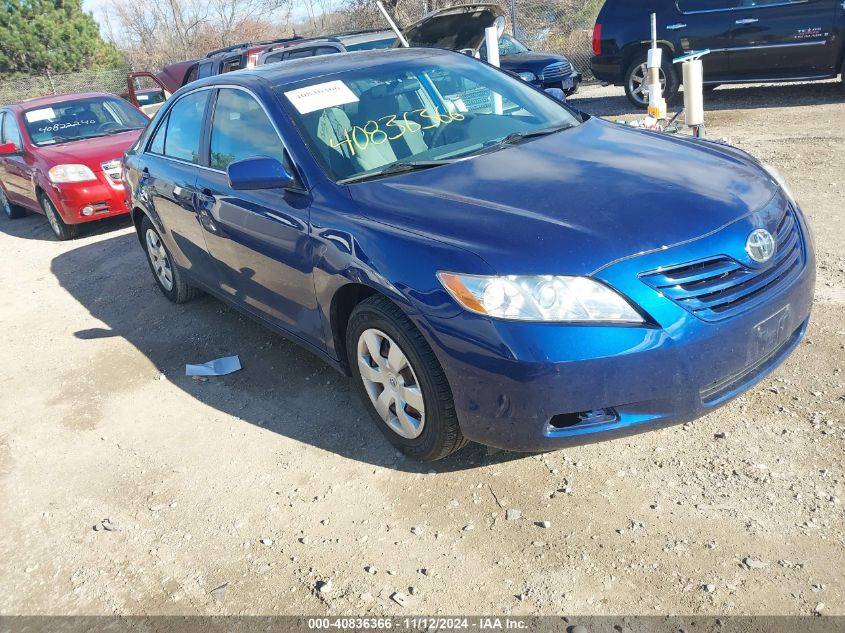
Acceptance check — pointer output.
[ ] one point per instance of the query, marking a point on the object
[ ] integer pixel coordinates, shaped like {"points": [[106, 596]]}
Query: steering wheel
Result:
{"points": [[108, 125], [440, 131]]}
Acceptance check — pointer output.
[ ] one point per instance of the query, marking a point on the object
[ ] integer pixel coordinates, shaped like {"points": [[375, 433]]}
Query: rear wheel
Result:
{"points": [[11, 211], [61, 230], [169, 278], [401, 381], [636, 80]]}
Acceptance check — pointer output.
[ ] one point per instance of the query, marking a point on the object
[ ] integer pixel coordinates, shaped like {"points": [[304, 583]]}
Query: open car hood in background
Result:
{"points": [[458, 28]]}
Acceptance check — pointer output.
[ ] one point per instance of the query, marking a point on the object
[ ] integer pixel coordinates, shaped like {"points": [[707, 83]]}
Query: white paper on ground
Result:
{"points": [[217, 367], [321, 96], [42, 114]]}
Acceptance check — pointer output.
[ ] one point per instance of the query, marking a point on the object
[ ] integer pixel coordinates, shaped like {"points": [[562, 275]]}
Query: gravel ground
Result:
{"points": [[127, 488]]}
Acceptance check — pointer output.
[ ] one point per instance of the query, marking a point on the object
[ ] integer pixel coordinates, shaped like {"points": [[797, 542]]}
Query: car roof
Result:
{"points": [[54, 99], [295, 70]]}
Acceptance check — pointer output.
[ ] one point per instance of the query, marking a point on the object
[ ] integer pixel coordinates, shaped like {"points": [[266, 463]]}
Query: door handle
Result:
{"points": [[675, 27], [747, 21]]}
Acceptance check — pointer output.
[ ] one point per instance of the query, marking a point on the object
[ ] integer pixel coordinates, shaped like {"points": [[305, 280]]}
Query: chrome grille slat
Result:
{"points": [[558, 70], [718, 287]]}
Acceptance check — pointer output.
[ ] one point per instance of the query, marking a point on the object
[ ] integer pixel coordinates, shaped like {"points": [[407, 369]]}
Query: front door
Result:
{"points": [[260, 239], [16, 169], [169, 181], [779, 39]]}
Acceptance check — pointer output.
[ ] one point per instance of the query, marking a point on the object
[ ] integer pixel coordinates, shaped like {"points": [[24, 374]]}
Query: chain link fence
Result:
{"points": [[17, 89]]}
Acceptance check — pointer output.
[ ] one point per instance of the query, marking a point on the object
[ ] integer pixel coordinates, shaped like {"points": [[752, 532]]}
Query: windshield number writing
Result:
{"points": [[395, 127], [63, 126]]}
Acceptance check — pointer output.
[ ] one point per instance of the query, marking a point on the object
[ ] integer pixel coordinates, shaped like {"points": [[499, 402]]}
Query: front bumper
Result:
{"points": [[567, 83], [105, 196], [510, 380]]}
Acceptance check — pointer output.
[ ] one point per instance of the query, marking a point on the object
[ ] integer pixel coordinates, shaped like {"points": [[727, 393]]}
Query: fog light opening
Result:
{"points": [[594, 416], [88, 210]]}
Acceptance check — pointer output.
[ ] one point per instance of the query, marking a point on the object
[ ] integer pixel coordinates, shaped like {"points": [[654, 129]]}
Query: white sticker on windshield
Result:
{"points": [[42, 114], [321, 96]]}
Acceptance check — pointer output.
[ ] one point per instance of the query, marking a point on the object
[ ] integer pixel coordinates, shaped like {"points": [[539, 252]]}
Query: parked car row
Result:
{"points": [[458, 28]]}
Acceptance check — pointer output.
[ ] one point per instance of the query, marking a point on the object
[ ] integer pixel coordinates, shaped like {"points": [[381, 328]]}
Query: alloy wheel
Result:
{"points": [[638, 83], [52, 218], [391, 383], [159, 260]]}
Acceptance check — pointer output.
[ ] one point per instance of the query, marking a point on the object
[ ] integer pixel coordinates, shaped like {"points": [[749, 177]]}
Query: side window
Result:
{"points": [[233, 63], [157, 144], [694, 6], [184, 127], [191, 75], [11, 132], [240, 129], [204, 70], [275, 57], [297, 54], [325, 50], [2, 114]]}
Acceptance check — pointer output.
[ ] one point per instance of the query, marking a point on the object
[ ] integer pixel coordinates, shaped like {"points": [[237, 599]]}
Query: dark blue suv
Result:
{"points": [[486, 263], [749, 41]]}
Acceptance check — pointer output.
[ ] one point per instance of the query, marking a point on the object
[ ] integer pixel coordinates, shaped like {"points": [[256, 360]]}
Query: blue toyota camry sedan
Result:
{"points": [[485, 263]]}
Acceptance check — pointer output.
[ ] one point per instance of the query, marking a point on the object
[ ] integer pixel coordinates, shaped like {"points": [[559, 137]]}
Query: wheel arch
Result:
{"points": [[343, 303]]}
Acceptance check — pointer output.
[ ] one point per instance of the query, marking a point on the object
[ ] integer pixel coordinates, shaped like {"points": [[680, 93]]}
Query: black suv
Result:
{"points": [[749, 41]]}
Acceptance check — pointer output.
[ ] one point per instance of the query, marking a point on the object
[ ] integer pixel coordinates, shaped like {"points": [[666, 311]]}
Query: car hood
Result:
{"points": [[456, 28], [529, 61], [91, 152], [575, 201]]}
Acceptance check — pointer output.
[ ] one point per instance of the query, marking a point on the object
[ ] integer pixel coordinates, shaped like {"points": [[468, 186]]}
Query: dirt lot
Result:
{"points": [[239, 494]]}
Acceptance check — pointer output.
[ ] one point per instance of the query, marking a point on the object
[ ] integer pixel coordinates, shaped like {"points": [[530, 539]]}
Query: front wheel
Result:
{"points": [[636, 80], [401, 381], [61, 229], [168, 277]]}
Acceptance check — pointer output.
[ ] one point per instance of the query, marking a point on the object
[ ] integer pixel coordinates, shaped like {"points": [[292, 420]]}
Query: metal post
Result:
{"points": [[513, 18], [392, 24]]}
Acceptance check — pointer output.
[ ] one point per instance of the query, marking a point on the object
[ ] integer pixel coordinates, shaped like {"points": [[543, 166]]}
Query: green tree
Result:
{"points": [[51, 35]]}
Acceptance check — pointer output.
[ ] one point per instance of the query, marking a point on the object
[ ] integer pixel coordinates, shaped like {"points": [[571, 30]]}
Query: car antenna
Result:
{"points": [[392, 24]]}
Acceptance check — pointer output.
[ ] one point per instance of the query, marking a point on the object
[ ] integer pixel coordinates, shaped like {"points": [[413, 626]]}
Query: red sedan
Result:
{"points": [[61, 156]]}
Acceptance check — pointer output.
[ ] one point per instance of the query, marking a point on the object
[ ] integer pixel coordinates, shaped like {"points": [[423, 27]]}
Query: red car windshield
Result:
{"points": [[81, 119]]}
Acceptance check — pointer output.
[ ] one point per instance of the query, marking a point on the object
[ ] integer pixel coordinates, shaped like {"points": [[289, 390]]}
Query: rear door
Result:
{"points": [[703, 24], [169, 181], [259, 239], [775, 39]]}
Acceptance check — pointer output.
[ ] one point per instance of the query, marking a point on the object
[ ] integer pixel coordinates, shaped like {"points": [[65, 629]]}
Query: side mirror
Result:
{"points": [[9, 149], [259, 172]]}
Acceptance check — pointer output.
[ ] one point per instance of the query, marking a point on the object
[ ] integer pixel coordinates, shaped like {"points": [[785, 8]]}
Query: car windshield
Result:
{"points": [[424, 110], [507, 46], [81, 119]]}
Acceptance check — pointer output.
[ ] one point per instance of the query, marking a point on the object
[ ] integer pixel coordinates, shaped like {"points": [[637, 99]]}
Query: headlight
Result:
{"points": [[527, 76], [542, 298], [780, 180], [71, 173]]}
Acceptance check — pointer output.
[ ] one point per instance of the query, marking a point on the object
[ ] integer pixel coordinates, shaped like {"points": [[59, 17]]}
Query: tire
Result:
{"points": [[61, 230], [11, 211], [376, 325], [637, 68], [571, 91], [167, 275]]}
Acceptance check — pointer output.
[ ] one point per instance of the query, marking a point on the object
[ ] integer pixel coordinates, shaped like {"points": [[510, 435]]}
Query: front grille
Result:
{"points": [[112, 169], [719, 287], [558, 70]]}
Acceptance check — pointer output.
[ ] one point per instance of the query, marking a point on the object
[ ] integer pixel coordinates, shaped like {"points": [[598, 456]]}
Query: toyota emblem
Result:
{"points": [[760, 246]]}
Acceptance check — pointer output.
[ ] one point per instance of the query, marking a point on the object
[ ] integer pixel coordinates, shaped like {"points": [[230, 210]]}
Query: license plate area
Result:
{"points": [[769, 334]]}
